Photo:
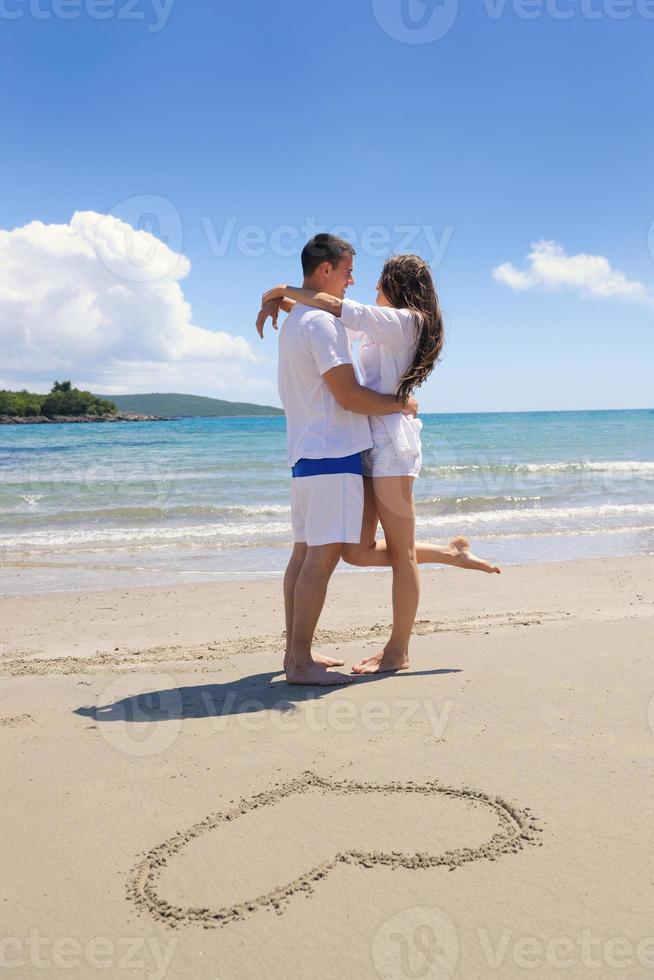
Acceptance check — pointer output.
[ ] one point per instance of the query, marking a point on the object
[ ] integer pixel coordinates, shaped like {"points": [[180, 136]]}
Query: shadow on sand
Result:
{"points": [[245, 696]]}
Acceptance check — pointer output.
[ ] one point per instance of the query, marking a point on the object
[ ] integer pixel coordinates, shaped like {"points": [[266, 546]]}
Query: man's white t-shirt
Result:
{"points": [[312, 342]]}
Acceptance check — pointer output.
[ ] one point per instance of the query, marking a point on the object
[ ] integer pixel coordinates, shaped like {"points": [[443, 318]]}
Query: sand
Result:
{"points": [[171, 808]]}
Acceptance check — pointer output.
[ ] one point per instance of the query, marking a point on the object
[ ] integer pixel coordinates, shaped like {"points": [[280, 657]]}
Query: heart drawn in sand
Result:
{"points": [[516, 828]]}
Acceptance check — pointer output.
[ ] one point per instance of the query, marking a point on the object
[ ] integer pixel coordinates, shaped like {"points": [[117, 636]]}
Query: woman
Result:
{"points": [[401, 341]]}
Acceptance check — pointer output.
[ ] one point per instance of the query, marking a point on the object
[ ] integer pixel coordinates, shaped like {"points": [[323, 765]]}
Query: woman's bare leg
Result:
{"points": [[394, 503], [456, 553], [370, 553]]}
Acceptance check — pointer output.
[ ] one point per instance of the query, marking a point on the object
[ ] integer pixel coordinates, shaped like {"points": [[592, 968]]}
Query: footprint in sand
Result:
{"points": [[220, 870], [14, 721]]}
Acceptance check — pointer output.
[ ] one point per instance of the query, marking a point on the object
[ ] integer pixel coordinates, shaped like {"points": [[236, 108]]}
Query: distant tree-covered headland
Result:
{"points": [[64, 403], [187, 406], [61, 401]]}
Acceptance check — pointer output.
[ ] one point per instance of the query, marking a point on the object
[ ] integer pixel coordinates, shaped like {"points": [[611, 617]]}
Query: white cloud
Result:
{"points": [[101, 303], [550, 267]]}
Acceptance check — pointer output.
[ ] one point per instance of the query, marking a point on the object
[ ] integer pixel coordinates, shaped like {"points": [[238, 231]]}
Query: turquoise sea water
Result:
{"points": [[205, 499]]}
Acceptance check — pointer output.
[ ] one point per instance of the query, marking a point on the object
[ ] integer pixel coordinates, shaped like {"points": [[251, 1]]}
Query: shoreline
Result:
{"points": [[195, 619], [39, 577], [77, 419], [247, 577], [118, 417]]}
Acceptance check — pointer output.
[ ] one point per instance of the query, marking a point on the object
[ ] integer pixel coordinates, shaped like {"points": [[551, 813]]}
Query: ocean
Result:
{"points": [[204, 499]]}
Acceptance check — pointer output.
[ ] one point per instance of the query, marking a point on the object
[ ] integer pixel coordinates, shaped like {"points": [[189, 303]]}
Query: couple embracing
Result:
{"points": [[354, 448]]}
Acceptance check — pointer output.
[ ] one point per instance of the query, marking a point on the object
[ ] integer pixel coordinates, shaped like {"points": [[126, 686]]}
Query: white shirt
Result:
{"points": [[389, 339], [312, 342]]}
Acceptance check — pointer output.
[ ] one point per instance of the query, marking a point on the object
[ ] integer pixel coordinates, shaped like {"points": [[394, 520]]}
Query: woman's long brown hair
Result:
{"points": [[407, 284]]}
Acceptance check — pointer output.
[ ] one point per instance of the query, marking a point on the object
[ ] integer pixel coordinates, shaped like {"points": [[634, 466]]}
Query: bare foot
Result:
{"points": [[464, 558], [382, 663], [315, 674], [325, 661]]}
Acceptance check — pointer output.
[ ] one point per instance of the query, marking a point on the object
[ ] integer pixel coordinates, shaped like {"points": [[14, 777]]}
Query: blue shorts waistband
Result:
{"points": [[322, 467]]}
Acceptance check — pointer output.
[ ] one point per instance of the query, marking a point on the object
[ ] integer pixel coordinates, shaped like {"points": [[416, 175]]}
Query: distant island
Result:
{"points": [[176, 405], [64, 403]]}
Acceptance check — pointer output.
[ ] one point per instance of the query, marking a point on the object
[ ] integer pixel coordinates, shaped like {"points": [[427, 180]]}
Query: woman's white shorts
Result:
{"points": [[386, 461], [327, 509]]}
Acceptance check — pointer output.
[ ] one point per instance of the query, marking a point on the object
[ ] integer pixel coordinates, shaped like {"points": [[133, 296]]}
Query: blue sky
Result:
{"points": [[506, 131]]}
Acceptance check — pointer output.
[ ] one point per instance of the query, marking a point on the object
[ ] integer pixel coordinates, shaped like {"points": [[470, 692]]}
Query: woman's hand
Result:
{"points": [[269, 309], [411, 407], [277, 292]]}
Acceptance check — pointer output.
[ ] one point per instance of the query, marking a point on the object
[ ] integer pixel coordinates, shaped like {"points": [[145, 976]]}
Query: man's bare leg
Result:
{"points": [[290, 579], [293, 570], [308, 601]]}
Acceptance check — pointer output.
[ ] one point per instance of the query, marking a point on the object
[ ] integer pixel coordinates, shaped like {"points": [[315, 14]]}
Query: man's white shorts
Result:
{"points": [[327, 509]]}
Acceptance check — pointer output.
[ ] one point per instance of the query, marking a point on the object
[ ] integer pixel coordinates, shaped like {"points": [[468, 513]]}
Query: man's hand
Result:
{"points": [[268, 309], [411, 407], [277, 292]]}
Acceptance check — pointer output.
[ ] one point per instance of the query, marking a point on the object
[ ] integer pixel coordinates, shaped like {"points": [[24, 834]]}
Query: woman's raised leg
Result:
{"points": [[370, 553], [456, 553]]}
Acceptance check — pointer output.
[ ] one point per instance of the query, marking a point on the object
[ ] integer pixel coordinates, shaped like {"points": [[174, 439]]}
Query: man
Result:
{"points": [[327, 429]]}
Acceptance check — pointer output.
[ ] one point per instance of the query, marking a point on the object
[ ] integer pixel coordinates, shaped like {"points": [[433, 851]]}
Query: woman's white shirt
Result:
{"points": [[389, 338]]}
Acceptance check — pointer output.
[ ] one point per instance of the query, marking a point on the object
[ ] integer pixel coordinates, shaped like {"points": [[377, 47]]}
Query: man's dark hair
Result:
{"points": [[324, 248]]}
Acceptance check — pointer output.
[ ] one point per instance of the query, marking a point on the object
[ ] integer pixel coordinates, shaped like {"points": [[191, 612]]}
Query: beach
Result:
{"points": [[172, 808], [439, 346]]}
